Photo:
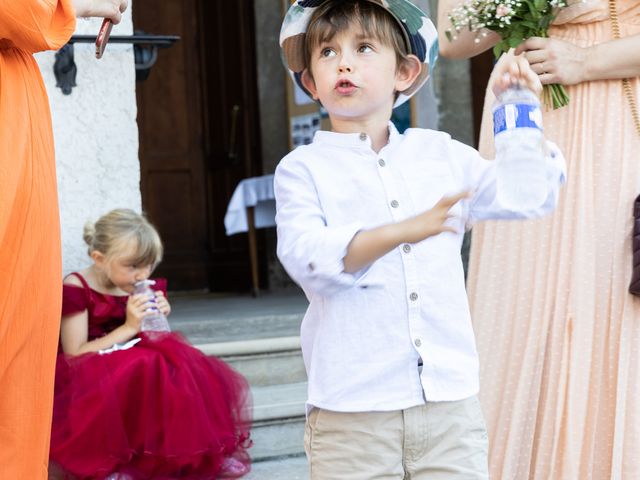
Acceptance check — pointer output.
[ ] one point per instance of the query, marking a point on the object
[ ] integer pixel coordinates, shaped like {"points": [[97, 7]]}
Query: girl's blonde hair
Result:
{"points": [[336, 16], [115, 232]]}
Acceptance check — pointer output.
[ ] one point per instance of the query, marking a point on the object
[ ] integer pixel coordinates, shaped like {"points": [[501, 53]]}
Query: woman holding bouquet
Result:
{"points": [[557, 331]]}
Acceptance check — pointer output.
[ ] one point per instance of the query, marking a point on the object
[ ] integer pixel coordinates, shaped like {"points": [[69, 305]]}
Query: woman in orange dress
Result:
{"points": [[558, 333], [30, 259]]}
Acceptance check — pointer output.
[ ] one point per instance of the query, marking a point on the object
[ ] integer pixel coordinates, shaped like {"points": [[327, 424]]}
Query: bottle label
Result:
{"points": [[510, 116]]}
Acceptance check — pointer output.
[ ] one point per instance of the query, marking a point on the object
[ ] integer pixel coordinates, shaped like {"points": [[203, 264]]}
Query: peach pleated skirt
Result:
{"points": [[558, 333]]}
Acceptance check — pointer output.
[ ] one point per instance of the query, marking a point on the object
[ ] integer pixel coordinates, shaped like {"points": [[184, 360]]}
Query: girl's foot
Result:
{"points": [[232, 468]]}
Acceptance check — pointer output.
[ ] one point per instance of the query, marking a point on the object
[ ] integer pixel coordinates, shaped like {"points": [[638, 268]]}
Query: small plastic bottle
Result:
{"points": [[521, 181], [155, 321]]}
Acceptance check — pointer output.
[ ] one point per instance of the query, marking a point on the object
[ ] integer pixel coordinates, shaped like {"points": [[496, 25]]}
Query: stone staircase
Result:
{"points": [[259, 338], [275, 371]]}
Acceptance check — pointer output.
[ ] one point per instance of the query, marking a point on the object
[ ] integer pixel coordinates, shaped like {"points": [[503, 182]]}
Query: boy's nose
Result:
{"points": [[344, 69]]}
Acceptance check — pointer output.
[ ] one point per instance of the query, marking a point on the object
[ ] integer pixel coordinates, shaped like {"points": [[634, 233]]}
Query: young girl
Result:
{"points": [[138, 409]]}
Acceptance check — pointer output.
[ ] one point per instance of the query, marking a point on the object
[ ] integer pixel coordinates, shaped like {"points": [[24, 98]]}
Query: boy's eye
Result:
{"points": [[366, 48], [327, 52]]}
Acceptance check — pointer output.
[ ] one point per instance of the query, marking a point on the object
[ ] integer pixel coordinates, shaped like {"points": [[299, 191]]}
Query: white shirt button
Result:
{"points": [[363, 136], [395, 204], [406, 248], [381, 162], [413, 296], [417, 342]]}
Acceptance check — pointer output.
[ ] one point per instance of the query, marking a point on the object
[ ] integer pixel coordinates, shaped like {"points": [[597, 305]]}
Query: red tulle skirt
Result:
{"points": [[159, 410]]}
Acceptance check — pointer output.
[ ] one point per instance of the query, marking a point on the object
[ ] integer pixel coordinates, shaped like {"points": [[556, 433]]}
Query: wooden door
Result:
{"points": [[481, 67], [198, 137]]}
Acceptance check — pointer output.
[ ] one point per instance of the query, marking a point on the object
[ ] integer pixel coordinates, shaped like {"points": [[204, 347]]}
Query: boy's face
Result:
{"points": [[355, 77]]}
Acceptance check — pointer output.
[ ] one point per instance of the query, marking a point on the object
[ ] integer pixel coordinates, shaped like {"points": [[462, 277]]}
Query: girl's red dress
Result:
{"points": [[158, 410]]}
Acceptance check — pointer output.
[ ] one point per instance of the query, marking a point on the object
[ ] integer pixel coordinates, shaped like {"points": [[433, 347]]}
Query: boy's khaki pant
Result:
{"points": [[438, 440]]}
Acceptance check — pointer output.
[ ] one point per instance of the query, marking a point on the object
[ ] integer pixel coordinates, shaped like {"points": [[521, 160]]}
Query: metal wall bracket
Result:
{"points": [[64, 68], [145, 51]]}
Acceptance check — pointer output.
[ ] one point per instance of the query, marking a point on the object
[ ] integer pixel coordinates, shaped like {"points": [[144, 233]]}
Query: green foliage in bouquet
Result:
{"points": [[515, 21]]}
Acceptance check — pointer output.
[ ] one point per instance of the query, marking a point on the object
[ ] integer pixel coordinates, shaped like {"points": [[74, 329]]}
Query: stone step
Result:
{"points": [[265, 361], [278, 420], [212, 318], [287, 468]]}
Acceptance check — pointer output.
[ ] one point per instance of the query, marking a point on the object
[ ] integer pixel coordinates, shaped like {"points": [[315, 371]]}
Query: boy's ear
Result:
{"points": [[309, 83], [407, 72]]}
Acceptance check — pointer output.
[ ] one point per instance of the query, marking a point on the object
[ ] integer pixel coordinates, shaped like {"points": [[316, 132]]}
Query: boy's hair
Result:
{"points": [[112, 233], [335, 16]]}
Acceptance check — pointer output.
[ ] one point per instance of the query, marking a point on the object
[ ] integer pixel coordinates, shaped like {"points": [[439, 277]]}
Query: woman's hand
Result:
{"points": [[163, 304], [555, 61], [137, 308], [511, 69], [111, 9]]}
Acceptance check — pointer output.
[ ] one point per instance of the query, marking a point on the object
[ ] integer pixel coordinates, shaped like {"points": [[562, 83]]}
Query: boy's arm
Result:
{"points": [[328, 259], [311, 252], [481, 177], [369, 245]]}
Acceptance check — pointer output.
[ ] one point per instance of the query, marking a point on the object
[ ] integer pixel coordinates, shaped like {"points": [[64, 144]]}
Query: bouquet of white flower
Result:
{"points": [[515, 21]]}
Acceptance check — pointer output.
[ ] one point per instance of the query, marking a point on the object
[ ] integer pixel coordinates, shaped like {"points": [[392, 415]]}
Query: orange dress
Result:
{"points": [[30, 259], [558, 333]]}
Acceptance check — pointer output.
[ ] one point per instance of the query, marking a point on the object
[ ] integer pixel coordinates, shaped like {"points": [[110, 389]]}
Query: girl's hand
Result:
{"points": [[163, 304], [555, 61], [137, 306], [111, 9], [512, 69], [432, 222]]}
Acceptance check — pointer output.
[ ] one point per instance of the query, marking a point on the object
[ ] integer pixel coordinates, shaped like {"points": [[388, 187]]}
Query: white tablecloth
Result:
{"points": [[254, 192]]}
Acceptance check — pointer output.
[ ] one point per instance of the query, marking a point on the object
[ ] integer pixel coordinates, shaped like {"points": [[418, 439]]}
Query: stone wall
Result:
{"points": [[96, 137]]}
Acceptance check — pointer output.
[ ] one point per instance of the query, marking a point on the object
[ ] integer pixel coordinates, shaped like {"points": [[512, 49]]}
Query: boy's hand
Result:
{"points": [[432, 222], [512, 69], [163, 304]]}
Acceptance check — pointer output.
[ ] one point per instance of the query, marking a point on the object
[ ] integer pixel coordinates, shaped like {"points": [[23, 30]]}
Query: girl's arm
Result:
{"points": [[558, 61], [74, 335], [464, 46], [74, 329]]}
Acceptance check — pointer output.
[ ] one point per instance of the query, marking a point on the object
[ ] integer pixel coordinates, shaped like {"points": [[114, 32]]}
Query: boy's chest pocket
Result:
{"points": [[428, 186]]}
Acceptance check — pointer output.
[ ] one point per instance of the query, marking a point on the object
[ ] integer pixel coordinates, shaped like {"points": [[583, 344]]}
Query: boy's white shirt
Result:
{"points": [[363, 333]]}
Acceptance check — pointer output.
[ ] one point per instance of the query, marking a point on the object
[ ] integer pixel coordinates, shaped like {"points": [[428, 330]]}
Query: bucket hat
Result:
{"points": [[419, 33]]}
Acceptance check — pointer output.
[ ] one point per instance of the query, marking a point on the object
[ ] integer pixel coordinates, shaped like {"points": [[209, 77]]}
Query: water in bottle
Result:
{"points": [[155, 321], [521, 181]]}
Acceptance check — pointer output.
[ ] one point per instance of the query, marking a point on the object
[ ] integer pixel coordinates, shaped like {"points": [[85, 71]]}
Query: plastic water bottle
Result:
{"points": [[155, 321], [521, 180]]}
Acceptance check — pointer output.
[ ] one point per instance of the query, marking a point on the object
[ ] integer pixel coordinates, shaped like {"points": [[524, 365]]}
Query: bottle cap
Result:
{"points": [[142, 284]]}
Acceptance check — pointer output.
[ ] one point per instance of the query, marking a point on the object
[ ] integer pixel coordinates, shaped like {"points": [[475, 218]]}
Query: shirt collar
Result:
{"points": [[352, 140]]}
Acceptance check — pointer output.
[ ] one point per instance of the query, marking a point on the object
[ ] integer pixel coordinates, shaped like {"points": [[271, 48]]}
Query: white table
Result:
{"points": [[251, 206]]}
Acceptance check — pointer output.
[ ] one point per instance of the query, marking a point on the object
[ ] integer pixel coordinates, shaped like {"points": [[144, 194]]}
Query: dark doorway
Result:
{"points": [[481, 67], [199, 136]]}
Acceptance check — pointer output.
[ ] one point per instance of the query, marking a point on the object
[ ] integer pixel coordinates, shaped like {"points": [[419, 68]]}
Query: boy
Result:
{"points": [[370, 224]]}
